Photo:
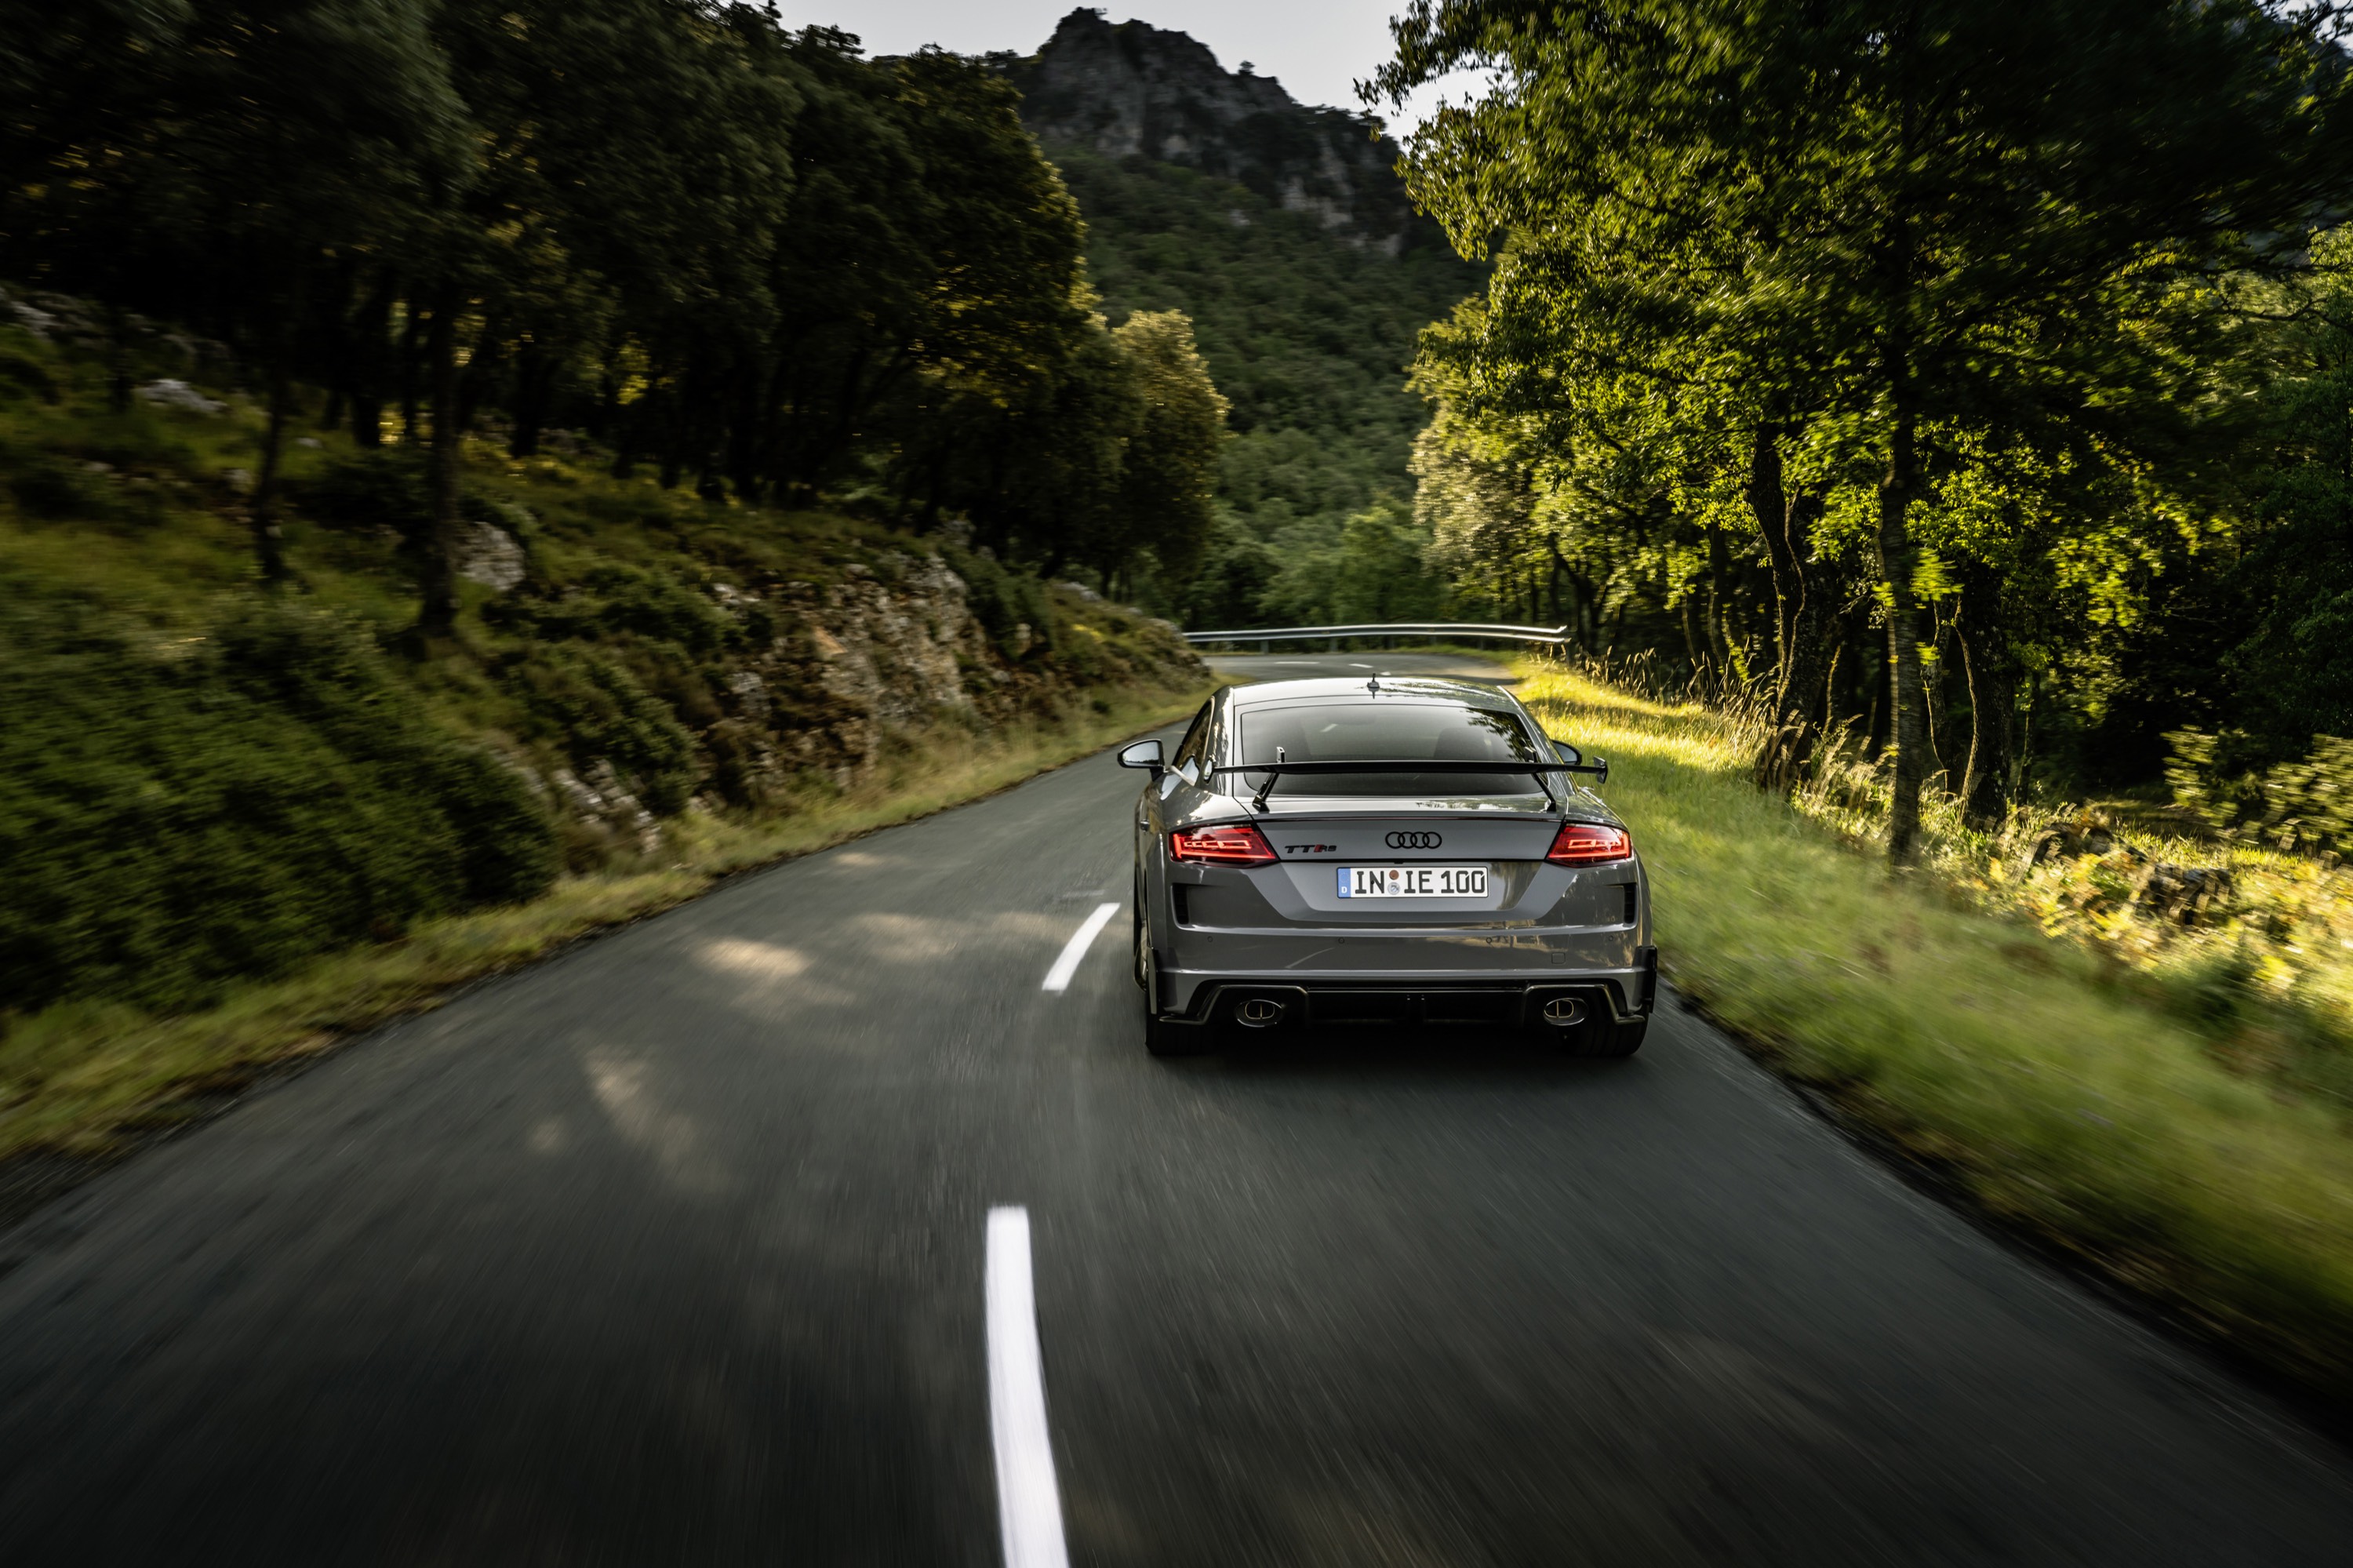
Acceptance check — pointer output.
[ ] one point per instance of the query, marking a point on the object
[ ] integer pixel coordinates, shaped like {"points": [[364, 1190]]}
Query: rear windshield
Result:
{"points": [[1392, 732]]}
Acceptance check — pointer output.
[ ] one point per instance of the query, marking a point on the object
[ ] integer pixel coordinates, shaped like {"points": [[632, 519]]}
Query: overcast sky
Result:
{"points": [[1317, 47]]}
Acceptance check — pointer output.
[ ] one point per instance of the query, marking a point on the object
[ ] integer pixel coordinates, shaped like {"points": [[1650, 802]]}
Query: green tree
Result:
{"points": [[1924, 218], [1168, 474], [238, 146], [1304, 334]]}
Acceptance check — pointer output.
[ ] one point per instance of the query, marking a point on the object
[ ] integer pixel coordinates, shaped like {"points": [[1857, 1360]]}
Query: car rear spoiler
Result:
{"points": [[1600, 768]]}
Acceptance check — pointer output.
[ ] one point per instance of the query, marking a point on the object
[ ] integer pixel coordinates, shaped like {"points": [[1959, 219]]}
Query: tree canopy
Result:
{"points": [[750, 257], [1927, 297]]}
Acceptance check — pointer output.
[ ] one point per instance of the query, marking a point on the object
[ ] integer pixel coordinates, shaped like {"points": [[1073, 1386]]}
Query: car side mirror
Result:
{"points": [[1143, 754], [1598, 766]]}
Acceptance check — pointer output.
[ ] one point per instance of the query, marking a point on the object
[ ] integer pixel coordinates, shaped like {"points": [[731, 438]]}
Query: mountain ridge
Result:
{"points": [[1131, 89]]}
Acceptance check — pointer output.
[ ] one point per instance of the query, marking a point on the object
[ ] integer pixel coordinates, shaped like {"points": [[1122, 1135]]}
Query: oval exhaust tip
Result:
{"points": [[1258, 1011], [1562, 1010]]}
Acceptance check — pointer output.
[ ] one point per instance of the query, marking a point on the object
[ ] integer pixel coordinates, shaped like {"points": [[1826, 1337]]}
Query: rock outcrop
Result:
{"points": [[1129, 89], [852, 660]]}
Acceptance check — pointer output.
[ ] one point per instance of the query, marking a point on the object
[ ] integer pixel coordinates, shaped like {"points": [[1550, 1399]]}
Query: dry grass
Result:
{"points": [[2065, 1095], [88, 1079]]}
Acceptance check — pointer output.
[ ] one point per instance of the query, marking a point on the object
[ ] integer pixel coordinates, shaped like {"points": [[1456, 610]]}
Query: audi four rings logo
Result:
{"points": [[1414, 841]]}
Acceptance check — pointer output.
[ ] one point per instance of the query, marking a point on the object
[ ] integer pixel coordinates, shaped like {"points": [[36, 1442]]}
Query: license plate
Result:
{"points": [[1412, 881]]}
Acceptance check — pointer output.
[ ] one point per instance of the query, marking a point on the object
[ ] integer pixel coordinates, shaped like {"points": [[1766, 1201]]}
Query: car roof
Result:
{"points": [[1407, 688]]}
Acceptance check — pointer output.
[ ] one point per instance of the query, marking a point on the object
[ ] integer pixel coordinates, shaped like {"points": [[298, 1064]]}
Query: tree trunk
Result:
{"points": [[261, 506], [407, 371], [1719, 606], [1932, 701], [371, 341], [268, 545], [2022, 760], [1993, 685], [1801, 629], [335, 339], [1897, 489], [670, 422], [437, 617], [474, 386], [743, 423], [534, 379], [1572, 614], [937, 484], [117, 360], [608, 400]]}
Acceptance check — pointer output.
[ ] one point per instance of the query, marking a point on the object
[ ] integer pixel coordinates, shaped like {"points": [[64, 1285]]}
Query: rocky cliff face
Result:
{"points": [[1131, 90], [839, 668], [903, 647]]}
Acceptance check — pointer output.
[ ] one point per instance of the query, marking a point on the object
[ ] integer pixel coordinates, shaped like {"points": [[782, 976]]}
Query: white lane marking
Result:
{"points": [[1029, 1504], [1059, 976]]}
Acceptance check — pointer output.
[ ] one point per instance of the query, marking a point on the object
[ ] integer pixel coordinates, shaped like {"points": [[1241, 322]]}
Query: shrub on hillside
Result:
{"points": [[2304, 804], [620, 601], [387, 489], [589, 703], [382, 489], [174, 816], [1004, 602]]}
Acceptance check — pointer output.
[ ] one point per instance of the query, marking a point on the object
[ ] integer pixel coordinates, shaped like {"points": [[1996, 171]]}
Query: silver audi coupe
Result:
{"points": [[1391, 851]]}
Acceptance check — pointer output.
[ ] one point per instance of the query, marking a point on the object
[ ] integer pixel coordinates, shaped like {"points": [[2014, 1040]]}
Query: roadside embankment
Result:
{"points": [[238, 825], [2032, 1074]]}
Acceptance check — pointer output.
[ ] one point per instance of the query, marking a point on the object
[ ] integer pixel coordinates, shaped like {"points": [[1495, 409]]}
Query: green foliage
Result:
{"points": [[768, 266], [1853, 324], [1168, 472], [622, 602], [175, 814], [385, 489], [1366, 567], [48, 485], [2304, 804], [20, 372], [1012, 607], [1305, 335], [591, 705]]}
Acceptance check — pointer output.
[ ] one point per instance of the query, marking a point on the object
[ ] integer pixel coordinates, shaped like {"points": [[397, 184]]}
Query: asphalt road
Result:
{"points": [[671, 1250]]}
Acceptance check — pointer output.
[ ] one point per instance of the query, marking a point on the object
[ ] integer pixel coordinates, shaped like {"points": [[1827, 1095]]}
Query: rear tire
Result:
{"points": [[1161, 1037], [1140, 949]]}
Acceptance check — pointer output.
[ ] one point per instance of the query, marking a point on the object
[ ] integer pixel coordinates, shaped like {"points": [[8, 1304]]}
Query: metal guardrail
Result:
{"points": [[1493, 631]]}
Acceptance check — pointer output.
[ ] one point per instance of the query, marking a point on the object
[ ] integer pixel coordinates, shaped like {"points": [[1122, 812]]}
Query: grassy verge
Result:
{"points": [[90, 1079], [2037, 1074]]}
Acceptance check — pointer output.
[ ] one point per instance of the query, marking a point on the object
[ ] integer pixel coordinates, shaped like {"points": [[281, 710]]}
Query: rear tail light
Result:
{"points": [[1589, 844], [1236, 843]]}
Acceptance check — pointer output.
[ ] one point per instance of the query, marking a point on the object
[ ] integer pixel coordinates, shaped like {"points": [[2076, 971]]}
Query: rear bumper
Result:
{"points": [[1508, 1001]]}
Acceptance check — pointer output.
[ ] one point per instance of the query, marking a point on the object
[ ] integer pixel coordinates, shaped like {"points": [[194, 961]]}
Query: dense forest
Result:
{"points": [[1970, 375], [447, 447], [749, 258], [1307, 336]]}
